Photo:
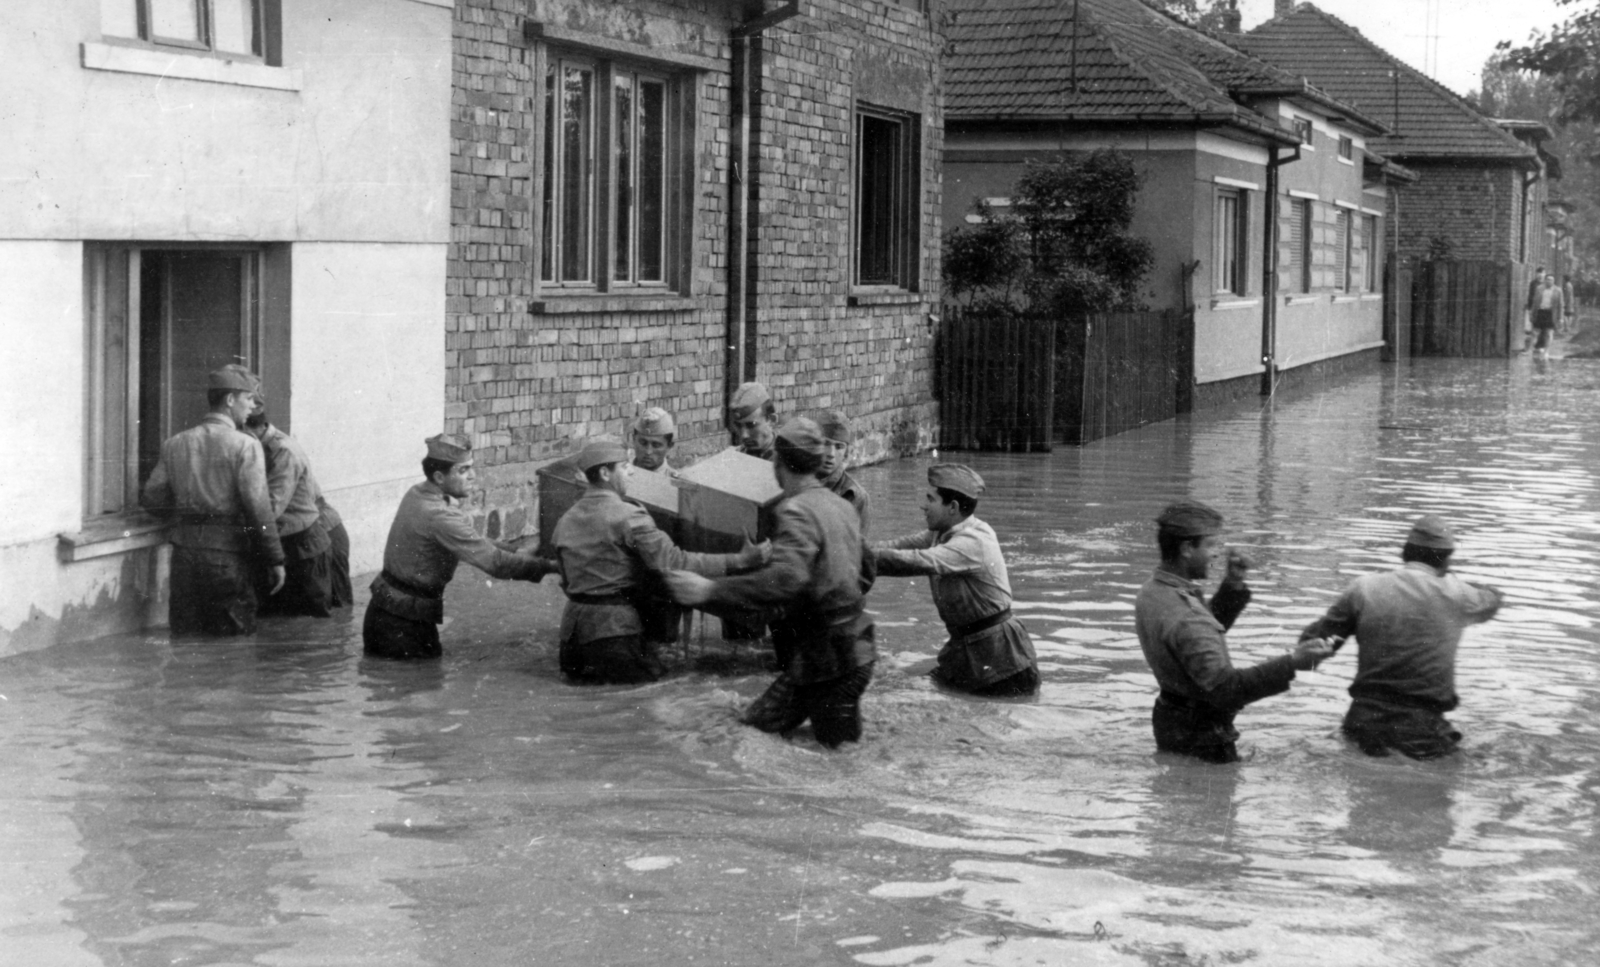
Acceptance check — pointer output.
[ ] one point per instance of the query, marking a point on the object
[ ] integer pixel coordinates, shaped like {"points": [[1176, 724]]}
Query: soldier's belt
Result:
{"points": [[983, 624], [406, 601], [600, 599]]}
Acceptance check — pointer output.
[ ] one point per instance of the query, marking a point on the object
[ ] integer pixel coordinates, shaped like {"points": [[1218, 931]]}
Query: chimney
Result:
{"points": [[1231, 18], [1282, 8]]}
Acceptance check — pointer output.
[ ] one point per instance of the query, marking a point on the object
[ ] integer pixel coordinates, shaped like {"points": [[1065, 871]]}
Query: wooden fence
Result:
{"points": [[1021, 382], [1461, 308]]}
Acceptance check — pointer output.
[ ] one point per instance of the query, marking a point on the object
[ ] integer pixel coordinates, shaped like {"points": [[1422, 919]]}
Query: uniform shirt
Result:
{"points": [[215, 474], [1408, 623], [815, 575], [965, 570], [1184, 643], [430, 534], [606, 547], [846, 486], [290, 483]]}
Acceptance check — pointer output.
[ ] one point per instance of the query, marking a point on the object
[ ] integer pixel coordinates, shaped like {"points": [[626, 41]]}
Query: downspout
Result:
{"points": [[1269, 272]]}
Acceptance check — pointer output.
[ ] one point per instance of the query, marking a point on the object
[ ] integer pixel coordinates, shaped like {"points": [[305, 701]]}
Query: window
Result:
{"points": [[231, 27], [609, 157], [886, 216], [1342, 251], [159, 319], [1300, 235], [1230, 245], [1303, 130], [1369, 252], [1347, 148]]}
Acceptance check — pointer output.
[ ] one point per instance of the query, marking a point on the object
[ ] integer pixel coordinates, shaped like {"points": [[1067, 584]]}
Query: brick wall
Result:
{"points": [[528, 375], [1476, 207]]}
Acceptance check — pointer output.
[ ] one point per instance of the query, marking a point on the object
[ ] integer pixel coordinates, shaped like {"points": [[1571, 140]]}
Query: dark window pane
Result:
{"points": [[577, 173], [652, 181], [878, 202], [547, 215], [623, 198]]}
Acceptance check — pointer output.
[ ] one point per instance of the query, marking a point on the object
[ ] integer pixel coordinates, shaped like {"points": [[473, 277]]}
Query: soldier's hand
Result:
{"points": [[688, 588], [1239, 565], [1309, 653], [279, 576], [754, 556]]}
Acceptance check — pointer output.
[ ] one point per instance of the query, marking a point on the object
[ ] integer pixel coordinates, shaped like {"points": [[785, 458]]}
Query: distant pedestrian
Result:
{"points": [[823, 636], [989, 651], [1569, 303], [1531, 304], [1549, 299], [211, 480], [1184, 639], [1407, 623]]}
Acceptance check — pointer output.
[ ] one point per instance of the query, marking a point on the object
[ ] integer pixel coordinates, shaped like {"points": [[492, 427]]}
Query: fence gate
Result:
{"points": [[996, 381], [1122, 370], [1466, 308]]}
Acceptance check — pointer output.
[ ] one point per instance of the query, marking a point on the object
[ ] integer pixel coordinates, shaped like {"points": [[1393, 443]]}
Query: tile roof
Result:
{"points": [[1428, 121], [1022, 60]]}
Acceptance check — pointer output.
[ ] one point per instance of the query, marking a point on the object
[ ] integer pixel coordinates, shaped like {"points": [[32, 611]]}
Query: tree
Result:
{"points": [[1570, 56], [1205, 14], [1067, 249]]}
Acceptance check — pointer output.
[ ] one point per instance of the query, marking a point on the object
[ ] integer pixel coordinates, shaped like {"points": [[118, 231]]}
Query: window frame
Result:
{"points": [[553, 234], [1371, 280], [901, 255], [1347, 149], [265, 32], [1305, 130], [1344, 242], [1230, 279], [1303, 217], [108, 286]]}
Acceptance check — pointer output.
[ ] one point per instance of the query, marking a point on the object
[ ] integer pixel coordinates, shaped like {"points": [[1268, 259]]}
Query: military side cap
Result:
{"points": [[232, 377], [450, 449], [957, 477], [599, 451], [1431, 531], [1190, 518], [834, 425], [747, 399], [655, 422], [802, 433]]}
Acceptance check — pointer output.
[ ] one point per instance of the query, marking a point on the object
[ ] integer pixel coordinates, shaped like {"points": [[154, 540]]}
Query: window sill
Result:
{"points": [[174, 64], [1227, 302], [1299, 300], [893, 297], [1345, 298], [558, 305], [111, 535], [1372, 297]]}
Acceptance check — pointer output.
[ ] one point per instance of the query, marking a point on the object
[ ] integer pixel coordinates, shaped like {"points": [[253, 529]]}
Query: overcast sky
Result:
{"points": [[1466, 30]]}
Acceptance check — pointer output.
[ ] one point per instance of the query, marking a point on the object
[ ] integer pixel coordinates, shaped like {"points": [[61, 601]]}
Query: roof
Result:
{"points": [[1428, 121], [1122, 63]]}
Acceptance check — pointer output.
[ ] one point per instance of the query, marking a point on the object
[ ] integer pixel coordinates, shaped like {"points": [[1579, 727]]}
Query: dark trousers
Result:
{"points": [[833, 706], [212, 593], [621, 660], [1025, 682], [307, 585], [1205, 733], [340, 593], [385, 635], [1383, 727]]}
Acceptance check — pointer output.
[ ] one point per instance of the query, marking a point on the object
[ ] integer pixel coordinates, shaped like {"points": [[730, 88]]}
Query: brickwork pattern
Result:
{"points": [[1477, 207]]}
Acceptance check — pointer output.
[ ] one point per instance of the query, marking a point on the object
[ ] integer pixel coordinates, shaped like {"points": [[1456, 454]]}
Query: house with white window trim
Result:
{"points": [[194, 182]]}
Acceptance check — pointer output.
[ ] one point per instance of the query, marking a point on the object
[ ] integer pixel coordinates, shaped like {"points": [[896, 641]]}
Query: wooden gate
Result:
{"points": [[1466, 308], [996, 381], [1122, 370]]}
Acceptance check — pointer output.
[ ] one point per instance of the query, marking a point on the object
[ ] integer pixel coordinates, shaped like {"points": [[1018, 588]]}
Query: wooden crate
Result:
{"points": [[656, 492], [723, 499], [561, 484]]}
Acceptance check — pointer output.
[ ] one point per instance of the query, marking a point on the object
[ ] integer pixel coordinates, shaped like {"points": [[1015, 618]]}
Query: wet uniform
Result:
{"points": [[609, 549], [1185, 644], [340, 593], [213, 479], [846, 486], [989, 651], [307, 546], [824, 639], [1408, 624], [428, 537]]}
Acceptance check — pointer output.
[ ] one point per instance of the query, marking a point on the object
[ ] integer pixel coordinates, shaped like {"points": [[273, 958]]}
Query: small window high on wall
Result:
{"points": [[232, 28], [886, 214], [158, 320]]}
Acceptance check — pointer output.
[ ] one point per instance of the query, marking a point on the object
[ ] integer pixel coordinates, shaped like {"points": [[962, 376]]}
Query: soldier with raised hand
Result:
{"points": [[429, 536], [1185, 642], [211, 480], [823, 637], [1407, 624], [989, 651]]}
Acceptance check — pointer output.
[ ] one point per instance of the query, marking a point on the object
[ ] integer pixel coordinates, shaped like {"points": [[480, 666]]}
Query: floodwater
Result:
{"points": [[281, 801]]}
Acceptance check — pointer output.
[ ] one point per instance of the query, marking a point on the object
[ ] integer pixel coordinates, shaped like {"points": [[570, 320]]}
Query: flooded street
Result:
{"points": [[281, 801]]}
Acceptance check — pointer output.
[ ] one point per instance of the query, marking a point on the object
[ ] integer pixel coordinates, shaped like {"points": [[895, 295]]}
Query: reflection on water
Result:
{"points": [[282, 801]]}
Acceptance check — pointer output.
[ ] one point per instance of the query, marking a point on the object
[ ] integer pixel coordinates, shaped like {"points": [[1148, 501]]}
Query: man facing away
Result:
{"points": [[609, 549], [989, 651], [1408, 624], [835, 428], [823, 637], [1184, 640], [654, 433], [430, 534], [212, 479], [298, 508]]}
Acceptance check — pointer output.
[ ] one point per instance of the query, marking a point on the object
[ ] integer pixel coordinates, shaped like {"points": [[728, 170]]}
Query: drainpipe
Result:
{"points": [[1269, 272]]}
